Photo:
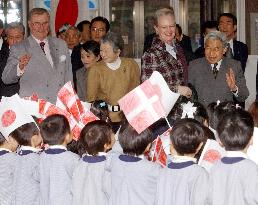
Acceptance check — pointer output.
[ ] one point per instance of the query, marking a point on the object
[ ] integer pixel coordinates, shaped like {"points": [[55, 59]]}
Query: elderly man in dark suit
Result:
{"points": [[40, 63], [216, 77], [14, 34]]}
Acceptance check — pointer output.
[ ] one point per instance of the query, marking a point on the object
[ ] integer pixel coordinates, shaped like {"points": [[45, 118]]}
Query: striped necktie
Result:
{"points": [[215, 70]]}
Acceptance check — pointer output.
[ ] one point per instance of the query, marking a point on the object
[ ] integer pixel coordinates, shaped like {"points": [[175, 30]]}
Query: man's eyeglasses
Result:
{"points": [[38, 24]]}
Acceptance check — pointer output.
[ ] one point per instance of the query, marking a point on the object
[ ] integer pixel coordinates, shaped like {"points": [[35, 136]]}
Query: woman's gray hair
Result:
{"points": [[217, 35], [163, 12], [115, 40], [15, 25]]}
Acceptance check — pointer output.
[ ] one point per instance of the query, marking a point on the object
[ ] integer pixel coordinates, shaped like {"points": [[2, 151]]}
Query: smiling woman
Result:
{"points": [[165, 55], [113, 77]]}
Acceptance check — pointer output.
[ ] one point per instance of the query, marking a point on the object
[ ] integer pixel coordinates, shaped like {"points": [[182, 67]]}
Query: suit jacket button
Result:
{"points": [[47, 85]]}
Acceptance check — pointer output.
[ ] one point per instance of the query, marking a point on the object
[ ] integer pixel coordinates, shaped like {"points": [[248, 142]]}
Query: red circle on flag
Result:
{"points": [[8, 118], [66, 12], [212, 156]]}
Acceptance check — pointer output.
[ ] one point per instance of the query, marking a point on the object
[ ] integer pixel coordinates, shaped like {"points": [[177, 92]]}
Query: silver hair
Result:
{"points": [[74, 29], [15, 25], [163, 12], [217, 35], [115, 40]]}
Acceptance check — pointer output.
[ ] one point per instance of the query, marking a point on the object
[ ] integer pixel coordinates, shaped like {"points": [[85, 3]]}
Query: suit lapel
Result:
{"points": [[53, 52], [208, 70], [223, 68], [35, 50]]}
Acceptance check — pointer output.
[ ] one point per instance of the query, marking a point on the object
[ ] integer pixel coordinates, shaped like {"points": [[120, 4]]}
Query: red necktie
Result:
{"points": [[42, 44]]}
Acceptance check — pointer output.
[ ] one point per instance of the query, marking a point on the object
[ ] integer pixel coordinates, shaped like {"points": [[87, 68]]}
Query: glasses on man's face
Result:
{"points": [[99, 30], [38, 24]]}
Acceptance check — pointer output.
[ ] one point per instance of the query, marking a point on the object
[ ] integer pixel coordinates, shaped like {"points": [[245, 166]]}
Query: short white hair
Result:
{"points": [[217, 35], [15, 25], [163, 12]]}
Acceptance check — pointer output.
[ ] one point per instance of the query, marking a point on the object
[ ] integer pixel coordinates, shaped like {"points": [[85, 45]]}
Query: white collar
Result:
{"points": [[171, 50], [141, 156], [57, 147], [99, 154], [38, 41], [4, 149], [236, 154], [231, 44], [218, 66], [33, 149], [115, 65], [179, 159]]}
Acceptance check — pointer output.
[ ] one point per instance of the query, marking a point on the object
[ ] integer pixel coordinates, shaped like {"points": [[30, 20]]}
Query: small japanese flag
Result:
{"points": [[12, 115], [212, 152]]}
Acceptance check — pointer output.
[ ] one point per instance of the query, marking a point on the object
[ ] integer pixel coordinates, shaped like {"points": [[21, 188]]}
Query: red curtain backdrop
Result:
{"points": [[67, 12]]}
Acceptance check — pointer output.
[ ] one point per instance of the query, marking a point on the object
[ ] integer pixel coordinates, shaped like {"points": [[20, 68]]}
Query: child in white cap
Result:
{"points": [[11, 118]]}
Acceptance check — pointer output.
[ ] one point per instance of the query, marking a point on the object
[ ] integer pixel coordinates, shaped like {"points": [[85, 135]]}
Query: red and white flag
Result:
{"points": [[142, 106], [68, 99], [167, 97], [12, 115], [46, 109], [212, 152], [148, 102], [159, 154]]}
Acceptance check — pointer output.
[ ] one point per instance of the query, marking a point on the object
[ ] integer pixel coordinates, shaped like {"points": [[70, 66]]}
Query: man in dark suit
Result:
{"points": [[72, 39], [40, 63], [228, 25], [14, 34], [185, 42], [216, 77]]}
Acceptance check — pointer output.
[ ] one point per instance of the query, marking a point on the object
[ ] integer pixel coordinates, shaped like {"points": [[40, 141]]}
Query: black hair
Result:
{"points": [[24, 133], [54, 129], [133, 143], [187, 135], [2, 139], [208, 135], [211, 113], [253, 110], [100, 109], [179, 29], [94, 136], [200, 114], [208, 24], [81, 24], [102, 19], [235, 130], [91, 47], [73, 146], [229, 15], [221, 110]]}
